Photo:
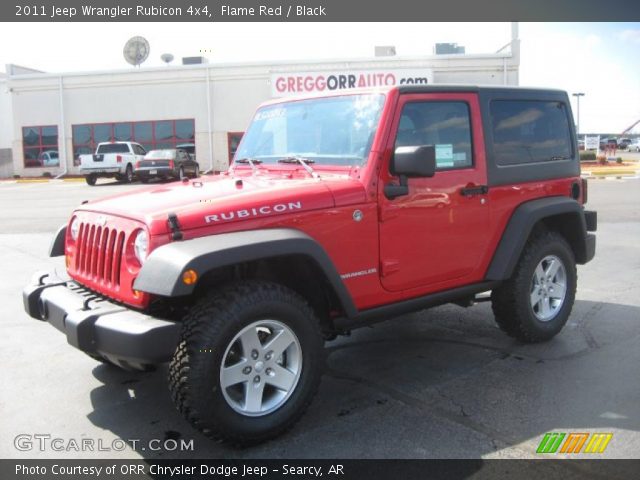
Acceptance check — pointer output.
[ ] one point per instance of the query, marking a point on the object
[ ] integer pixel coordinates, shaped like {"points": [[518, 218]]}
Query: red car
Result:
{"points": [[337, 212]]}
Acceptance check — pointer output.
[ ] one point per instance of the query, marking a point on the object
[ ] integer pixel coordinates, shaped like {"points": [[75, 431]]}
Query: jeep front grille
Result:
{"points": [[99, 254]]}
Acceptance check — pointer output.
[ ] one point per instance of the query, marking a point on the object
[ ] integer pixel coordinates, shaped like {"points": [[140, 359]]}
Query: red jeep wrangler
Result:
{"points": [[337, 212]]}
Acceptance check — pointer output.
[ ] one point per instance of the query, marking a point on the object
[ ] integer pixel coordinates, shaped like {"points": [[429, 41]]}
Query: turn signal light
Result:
{"points": [[189, 277]]}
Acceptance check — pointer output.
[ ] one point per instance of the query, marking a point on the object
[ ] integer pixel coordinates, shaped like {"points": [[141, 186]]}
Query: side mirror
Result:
{"points": [[414, 161]]}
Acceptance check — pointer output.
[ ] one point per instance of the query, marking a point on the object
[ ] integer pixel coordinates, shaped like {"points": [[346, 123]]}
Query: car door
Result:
{"points": [[435, 237]]}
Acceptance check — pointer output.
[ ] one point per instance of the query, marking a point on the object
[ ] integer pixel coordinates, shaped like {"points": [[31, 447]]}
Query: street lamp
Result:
{"points": [[578, 95]]}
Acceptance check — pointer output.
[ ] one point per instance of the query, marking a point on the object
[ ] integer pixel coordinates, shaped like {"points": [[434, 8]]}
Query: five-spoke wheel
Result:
{"points": [[261, 367]]}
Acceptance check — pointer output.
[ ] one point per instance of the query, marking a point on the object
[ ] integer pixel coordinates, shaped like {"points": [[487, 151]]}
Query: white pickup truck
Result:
{"points": [[112, 159]]}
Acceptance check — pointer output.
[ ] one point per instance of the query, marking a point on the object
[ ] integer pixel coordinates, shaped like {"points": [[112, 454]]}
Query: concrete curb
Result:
{"points": [[41, 180], [613, 173]]}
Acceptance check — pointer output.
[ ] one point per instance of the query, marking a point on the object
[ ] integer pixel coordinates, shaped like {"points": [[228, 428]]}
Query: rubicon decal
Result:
{"points": [[574, 441], [253, 212]]}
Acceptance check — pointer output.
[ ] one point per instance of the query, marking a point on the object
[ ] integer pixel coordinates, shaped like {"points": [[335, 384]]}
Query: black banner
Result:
{"points": [[311, 469], [316, 10]]}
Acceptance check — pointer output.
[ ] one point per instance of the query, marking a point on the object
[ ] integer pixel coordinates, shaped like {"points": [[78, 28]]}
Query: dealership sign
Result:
{"points": [[284, 84]]}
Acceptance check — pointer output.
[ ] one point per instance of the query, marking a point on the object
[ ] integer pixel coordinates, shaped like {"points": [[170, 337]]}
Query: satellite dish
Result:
{"points": [[136, 50], [166, 58]]}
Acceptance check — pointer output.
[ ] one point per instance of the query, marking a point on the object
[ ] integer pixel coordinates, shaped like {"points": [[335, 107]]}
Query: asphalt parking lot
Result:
{"points": [[444, 383]]}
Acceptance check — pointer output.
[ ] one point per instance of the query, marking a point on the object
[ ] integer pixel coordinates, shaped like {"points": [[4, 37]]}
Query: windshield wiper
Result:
{"points": [[251, 161], [302, 161]]}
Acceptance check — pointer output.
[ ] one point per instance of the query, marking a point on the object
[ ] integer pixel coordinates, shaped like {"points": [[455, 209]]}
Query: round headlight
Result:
{"points": [[75, 228], [141, 246]]}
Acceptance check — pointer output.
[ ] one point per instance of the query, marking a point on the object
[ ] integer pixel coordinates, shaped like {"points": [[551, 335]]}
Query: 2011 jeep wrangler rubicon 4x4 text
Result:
{"points": [[337, 211]]}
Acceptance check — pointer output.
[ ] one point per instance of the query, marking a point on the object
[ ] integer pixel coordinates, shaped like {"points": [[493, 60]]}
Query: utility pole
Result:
{"points": [[578, 95]]}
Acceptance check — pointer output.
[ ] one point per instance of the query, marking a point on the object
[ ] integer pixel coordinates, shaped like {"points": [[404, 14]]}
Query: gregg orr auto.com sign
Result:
{"points": [[283, 84]]}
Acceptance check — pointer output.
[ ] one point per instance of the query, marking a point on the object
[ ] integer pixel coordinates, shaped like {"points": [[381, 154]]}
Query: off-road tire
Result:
{"points": [[511, 301], [209, 328], [128, 176], [91, 179]]}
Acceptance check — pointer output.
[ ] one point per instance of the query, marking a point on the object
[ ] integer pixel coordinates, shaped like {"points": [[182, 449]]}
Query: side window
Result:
{"points": [[527, 131], [445, 125], [138, 150]]}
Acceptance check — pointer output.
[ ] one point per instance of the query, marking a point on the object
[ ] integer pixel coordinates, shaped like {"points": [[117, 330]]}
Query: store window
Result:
{"points": [[233, 140], [151, 135], [40, 146]]}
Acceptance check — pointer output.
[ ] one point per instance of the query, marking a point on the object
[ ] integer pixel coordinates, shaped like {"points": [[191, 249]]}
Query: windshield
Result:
{"points": [[113, 148], [327, 131]]}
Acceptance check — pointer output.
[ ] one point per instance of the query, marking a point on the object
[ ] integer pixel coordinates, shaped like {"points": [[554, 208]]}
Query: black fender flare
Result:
{"points": [[161, 273], [56, 249], [520, 225]]}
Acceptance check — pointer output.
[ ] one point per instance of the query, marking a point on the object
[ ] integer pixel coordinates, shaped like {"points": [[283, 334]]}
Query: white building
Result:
{"points": [[206, 104]]}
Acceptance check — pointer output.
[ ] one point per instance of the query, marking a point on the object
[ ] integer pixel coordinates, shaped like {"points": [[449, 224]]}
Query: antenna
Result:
{"points": [[136, 50], [166, 58]]}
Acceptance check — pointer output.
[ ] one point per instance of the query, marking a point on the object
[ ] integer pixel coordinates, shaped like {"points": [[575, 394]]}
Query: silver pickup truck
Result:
{"points": [[112, 159]]}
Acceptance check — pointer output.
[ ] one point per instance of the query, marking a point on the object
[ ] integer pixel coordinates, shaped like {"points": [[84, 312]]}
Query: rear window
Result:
{"points": [[161, 154], [188, 148], [530, 131], [113, 148]]}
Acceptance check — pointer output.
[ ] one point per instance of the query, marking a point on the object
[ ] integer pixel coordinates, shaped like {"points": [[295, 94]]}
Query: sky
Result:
{"points": [[598, 59]]}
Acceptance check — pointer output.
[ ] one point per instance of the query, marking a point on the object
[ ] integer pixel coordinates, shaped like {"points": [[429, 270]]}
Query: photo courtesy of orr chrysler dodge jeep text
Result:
{"points": [[338, 211]]}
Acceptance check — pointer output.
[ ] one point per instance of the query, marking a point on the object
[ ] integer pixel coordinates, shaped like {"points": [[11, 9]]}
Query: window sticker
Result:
{"points": [[460, 157], [268, 113], [444, 155]]}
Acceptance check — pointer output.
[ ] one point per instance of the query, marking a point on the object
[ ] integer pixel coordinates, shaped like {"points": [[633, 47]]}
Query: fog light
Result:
{"points": [[189, 277]]}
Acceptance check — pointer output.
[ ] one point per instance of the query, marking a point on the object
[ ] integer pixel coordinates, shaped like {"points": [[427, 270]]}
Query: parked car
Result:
{"points": [[49, 158], [239, 279], [634, 147], [623, 143], [112, 159], [166, 163]]}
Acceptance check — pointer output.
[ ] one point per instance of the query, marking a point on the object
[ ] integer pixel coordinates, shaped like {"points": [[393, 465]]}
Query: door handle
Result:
{"points": [[471, 190]]}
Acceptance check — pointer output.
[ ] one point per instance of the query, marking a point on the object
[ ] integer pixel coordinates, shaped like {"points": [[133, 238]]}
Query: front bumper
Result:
{"points": [[97, 326]]}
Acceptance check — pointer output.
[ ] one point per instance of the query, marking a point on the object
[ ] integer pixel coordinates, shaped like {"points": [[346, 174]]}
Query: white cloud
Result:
{"points": [[630, 35], [592, 40]]}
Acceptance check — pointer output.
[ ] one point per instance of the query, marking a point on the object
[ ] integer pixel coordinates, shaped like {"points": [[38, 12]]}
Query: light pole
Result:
{"points": [[578, 95]]}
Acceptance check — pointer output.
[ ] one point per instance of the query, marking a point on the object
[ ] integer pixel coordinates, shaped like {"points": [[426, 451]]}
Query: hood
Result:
{"points": [[225, 198]]}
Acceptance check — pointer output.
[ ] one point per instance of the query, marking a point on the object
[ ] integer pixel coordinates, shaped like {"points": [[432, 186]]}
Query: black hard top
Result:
{"points": [[493, 90]]}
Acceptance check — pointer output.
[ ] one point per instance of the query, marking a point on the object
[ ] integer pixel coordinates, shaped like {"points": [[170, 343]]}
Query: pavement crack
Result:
{"points": [[452, 401], [428, 407], [583, 326]]}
